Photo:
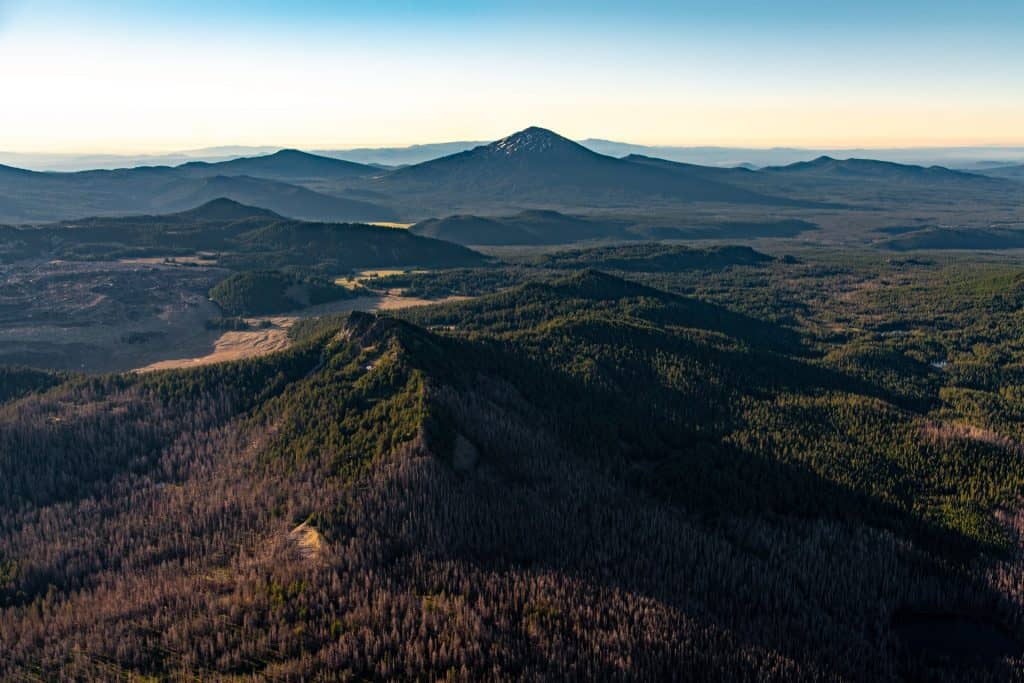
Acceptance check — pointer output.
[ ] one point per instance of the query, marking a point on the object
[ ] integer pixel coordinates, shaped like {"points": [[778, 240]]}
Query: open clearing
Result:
{"points": [[112, 316], [270, 333], [359, 277]]}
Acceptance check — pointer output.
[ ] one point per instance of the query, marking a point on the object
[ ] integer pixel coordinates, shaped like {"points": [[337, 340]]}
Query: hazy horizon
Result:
{"points": [[967, 157], [141, 77], [313, 148]]}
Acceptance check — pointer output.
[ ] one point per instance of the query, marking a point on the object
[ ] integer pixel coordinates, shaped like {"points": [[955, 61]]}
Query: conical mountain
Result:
{"points": [[538, 166], [224, 209]]}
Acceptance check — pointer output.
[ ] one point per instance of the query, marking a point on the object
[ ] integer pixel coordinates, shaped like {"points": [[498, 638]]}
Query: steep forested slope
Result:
{"points": [[584, 478]]}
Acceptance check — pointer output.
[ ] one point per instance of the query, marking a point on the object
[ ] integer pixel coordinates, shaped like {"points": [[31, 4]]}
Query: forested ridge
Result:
{"points": [[581, 476], [226, 233], [264, 292]]}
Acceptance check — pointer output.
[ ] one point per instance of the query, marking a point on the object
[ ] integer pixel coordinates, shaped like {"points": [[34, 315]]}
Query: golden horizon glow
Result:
{"points": [[151, 80]]}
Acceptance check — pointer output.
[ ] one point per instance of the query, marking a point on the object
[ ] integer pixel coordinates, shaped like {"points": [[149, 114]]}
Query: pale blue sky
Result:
{"points": [[147, 76]]}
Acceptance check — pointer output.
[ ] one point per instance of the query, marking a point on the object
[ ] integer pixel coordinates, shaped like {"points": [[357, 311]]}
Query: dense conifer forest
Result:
{"points": [[785, 469], [270, 291]]}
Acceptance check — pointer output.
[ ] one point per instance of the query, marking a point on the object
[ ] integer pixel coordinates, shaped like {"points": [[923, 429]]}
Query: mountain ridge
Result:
{"points": [[44, 197], [536, 166], [533, 226], [283, 164], [872, 168]]}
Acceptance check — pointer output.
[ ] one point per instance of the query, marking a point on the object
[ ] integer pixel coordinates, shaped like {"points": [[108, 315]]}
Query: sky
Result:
{"points": [[133, 76]]}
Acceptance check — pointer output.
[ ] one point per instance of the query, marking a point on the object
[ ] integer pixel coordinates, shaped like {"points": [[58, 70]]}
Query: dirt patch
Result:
{"points": [[392, 224], [233, 345], [308, 542], [948, 431]]}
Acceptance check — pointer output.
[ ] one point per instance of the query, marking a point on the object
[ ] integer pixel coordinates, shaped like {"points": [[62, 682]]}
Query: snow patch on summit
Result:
{"points": [[529, 140]]}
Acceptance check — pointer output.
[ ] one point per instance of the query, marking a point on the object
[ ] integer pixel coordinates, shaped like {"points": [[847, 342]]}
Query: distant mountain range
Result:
{"points": [[1015, 172], [31, 196], [966, 158], [534, 169], [825, 166]]}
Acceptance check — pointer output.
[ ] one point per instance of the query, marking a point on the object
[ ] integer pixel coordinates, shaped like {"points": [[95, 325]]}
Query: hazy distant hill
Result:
{"points": [[56, 161], [218, 210], [527, 227], [29, 196], [778, 156], [288, 164], [693, 170], [289, 200], [956, 238], [827, 167], [537, 227], [401, 156], [1015, 172], [826, 178], [238, 237]]}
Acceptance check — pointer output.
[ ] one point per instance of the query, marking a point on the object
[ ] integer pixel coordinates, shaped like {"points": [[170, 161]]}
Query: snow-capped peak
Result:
{"points": [[532, 139]]}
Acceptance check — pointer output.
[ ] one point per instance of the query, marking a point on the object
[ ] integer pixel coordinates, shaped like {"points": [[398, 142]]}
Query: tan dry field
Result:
{"points": [[205, 259], [363, 275], [389, 224], [236, 345]]}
